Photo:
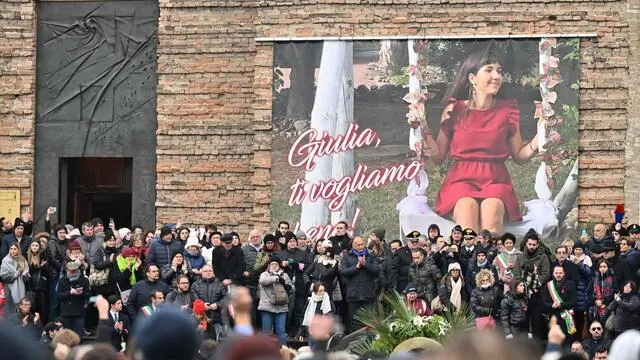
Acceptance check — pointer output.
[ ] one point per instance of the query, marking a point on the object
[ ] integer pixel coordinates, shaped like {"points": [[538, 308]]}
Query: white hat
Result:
{"points": [[123, 232], [74, 232], [454, 266], [192, 240], [327, 244]]}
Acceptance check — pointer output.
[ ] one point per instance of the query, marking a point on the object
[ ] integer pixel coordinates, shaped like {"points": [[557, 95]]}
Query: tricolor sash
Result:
{"points": [[566, 315], [147, 310], [502, 262]]}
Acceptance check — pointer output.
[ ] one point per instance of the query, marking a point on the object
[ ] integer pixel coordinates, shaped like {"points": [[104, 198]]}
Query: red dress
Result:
{"points": [[479, 146]]}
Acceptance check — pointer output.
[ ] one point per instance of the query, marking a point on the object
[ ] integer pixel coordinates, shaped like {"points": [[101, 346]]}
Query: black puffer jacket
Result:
{"points": [[298, 261], [513, 314], [485, 302], [359, 281], [425, 276], [56, 252], [212, 291]]}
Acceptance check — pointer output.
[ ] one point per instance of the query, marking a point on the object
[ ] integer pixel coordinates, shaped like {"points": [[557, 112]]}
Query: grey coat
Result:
{"points": [[267, 292], [90, 247]]}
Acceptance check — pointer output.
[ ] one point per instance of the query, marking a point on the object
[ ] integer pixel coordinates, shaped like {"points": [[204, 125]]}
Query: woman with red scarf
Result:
{"points": [[413, 303], [603, 287]]}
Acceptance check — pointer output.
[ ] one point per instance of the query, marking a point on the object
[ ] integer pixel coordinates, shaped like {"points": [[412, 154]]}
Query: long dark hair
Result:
{"points": [[460, 88]]}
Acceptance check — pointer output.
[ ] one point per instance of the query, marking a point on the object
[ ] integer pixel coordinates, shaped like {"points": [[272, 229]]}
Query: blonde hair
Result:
{"points": [[21, 262]]}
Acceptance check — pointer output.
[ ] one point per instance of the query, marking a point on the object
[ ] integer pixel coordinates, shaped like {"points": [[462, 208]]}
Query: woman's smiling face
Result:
{"points": [[487, 80]]}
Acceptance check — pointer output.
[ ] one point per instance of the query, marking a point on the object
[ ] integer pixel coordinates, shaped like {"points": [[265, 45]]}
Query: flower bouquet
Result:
{"points": [[389, 324]]}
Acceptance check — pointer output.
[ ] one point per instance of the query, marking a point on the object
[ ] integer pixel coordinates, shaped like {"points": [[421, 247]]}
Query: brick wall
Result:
{"points": [[214, 91], [17, 96]]}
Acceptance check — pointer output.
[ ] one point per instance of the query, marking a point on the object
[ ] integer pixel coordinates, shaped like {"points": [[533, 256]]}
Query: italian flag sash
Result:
{"points": [[147, 310], [566, 315], [502, 262]]}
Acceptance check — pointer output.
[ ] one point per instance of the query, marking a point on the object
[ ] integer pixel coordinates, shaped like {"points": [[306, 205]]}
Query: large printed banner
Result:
{"points": [[403, 134]]}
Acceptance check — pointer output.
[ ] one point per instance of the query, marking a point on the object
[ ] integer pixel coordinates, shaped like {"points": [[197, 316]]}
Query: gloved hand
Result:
{"points": [[281, 280]]}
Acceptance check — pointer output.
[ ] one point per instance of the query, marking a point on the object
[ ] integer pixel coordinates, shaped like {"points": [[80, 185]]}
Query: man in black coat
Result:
{"points": [[570, 269], [560, 302], [341, 240], [360, 269], [18, 235], [118, 322], [228, 262], [141, 291], [294, 262], [404, 260], [25, 319]]}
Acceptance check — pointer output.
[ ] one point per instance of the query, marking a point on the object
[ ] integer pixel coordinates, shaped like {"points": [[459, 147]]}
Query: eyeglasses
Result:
{"points": [[596, 329]]}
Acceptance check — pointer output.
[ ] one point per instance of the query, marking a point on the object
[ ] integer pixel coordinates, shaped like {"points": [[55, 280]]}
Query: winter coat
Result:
{"points": [[250, 255], [9, 239], [168, 275], [73, 305], [444, 259], [486, 302], [403, 259], [511, 259], [513, 314], [324, 272], [592, 345], [228, 264], [602, 287], [466, 256], [566, 290], [444, 292], [122, 278], [621, 269], [262, 261], [32, 330], [627, 312], [582, 287], [160, 252], [388, 273], [140, 292], [267, 291], [473, 270], [425, 276], [194, 261], [359, 281], [101, 261], [212, 291], [525, 263], [489, 249], [56, 252], [632, 257], [177, 297], [298, 261], [340, 243], [90, 247]]}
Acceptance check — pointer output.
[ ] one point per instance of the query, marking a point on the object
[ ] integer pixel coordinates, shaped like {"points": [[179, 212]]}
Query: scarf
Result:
{"points": [[482, 264], [360, 253], [123, 263], [9, 270], [310, 312], [325, 260], [602, 288], [197, 261], [456, 293]]}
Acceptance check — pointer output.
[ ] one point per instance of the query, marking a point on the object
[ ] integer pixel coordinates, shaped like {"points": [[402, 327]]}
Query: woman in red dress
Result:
{"points": [[480, 134]]}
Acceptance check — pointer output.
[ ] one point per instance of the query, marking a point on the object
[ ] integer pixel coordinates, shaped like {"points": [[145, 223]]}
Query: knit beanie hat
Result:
{"points": [[166, 230], [269, 238], [380, 233], [199, 307]]}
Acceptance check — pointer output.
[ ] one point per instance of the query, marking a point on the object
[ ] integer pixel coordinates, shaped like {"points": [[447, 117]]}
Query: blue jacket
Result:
{"points": [[160, 252], [582, 287], [9, 239]]}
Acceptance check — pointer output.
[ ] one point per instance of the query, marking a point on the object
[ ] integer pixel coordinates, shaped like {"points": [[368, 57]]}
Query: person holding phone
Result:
{"points": [[73, 293]]}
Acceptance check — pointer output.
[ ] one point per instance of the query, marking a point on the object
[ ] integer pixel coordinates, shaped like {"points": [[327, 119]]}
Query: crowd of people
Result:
{"points": [[101, 282]]}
